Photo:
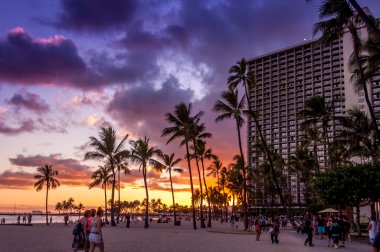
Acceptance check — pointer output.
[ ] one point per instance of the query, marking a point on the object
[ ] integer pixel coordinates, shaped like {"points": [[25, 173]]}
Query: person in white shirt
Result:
{"points": [[372, 229]]}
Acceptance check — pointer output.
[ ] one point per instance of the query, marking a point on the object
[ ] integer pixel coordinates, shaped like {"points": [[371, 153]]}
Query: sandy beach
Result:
{"points": [[163, 237]]}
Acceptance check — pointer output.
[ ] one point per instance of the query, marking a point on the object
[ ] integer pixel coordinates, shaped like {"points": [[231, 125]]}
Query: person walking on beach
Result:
{"points": [[372, 229], [96, 236], [274, 232], [24, 218], [321, 226], [66, 220], [335, 233], [309, 231], [81, 240], [30, 218], [18, 219], [328, 230], [257, 229], [128, 218]]}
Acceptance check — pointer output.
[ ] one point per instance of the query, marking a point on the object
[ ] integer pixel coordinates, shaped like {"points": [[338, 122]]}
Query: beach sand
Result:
{"points": [[163, 237]]}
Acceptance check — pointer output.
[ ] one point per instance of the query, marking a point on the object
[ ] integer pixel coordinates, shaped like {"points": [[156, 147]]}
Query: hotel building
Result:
{"points": [[285, 79]]}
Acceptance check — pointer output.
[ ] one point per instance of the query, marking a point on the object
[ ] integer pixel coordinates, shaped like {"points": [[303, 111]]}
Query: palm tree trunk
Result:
{"points": [[207, 196], [191, 185], [358, 220], [171, 185], [267, 152], [105, 201], [46, 203], [118, 174], [203, 225], [146, 225], [244, 178], [113, 223], [356, 42]]}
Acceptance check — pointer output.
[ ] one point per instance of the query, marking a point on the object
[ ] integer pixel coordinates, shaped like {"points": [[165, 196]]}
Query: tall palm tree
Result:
{"points": [[203, 154], [70, 203], [142, 153], [46, 177], [106, 148], [240, 74], [169, 163], [340, 16], [121, 166], [235, 179], [182, 127], [102, 176], [198, 133], [231, 107], [318, 111]]}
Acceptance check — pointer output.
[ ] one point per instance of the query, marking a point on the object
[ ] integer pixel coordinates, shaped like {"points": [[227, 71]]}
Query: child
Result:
{"points": [[335, 233]]}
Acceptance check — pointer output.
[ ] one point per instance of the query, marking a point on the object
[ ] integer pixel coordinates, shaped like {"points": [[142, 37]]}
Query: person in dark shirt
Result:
{"points": [[335, 233], [343, 226], [309, 232]]}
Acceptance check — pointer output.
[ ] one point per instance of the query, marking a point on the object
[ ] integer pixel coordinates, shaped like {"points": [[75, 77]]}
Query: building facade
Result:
{"points": [[285, 79]]}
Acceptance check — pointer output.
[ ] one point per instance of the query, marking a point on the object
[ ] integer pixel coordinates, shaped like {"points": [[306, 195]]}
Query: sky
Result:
{"points": [[70, 67]]}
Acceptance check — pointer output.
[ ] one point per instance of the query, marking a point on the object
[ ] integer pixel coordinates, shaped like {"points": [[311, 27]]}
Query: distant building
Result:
{"points": [[285, 79]]}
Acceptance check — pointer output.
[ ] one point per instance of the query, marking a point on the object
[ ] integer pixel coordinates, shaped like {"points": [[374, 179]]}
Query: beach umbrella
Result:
{"points": [[328, 210]]}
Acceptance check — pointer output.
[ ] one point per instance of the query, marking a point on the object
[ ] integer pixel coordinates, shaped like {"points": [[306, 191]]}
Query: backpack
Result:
{"points": [[77, 229]]}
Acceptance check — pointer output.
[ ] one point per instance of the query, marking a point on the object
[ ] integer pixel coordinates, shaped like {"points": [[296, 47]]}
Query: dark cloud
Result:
{"points": [[95, 15], [16, 180], [26, 60], [30, 125], [29, 101], [142, 108]]}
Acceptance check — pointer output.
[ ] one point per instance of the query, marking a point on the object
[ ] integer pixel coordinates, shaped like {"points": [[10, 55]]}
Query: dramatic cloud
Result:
{"points": [[29, 101], [95, 15], [28, 60], [141, 109]]}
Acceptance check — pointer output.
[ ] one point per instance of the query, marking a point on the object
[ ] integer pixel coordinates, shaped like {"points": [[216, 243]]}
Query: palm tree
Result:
{"points": [[106, 148], [46, 177], [203, 154], [215, 168], [240, 74], [234, 179], [169, 164], [232, 108], [143, 154], [358, 134], [183, 122], [79, 208], [341, 16], [121, 165], [305, 166], [102, 176], [199, 134], [368, 20], [70, 203], [59, 207], [317, 111]]}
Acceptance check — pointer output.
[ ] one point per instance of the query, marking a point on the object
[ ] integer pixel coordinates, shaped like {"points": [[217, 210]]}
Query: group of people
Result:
{"points": [[88, 232], [24, 217], [336, 229]]}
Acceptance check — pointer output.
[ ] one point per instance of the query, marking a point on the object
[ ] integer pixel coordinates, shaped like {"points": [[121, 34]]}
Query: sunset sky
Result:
{"points": [[69, 67]]}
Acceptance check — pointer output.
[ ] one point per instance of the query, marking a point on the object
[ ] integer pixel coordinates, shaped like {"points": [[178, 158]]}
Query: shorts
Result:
{"points": [[321, 230], [95, 238], [372, 240]]}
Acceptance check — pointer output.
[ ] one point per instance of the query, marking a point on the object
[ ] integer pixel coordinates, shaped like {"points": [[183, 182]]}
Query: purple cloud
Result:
{"points": [[29, 101], [27, 60], [25, 126], [95, 15]]}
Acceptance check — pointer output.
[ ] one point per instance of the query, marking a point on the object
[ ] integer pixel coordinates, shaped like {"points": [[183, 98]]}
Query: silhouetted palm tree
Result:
{"points": [[240, 74], [102, 176], [143, 154], [183, 123], [46, 177], [340, 16], [203, 154], [231, 107], [121, 165], [106, 148], [169, 163], [215, 168]]}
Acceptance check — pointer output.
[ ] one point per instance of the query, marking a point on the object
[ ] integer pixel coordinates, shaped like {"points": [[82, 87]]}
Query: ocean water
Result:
{"points": [[9, 219]]}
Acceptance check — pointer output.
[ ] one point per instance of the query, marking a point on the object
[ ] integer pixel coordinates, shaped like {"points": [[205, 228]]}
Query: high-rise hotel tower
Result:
{"points": [[285, 79]]}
